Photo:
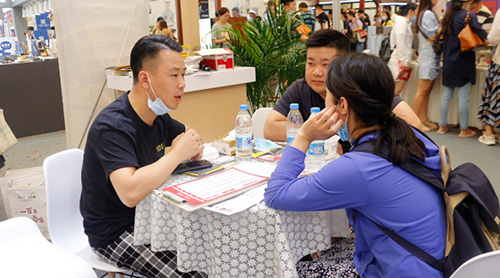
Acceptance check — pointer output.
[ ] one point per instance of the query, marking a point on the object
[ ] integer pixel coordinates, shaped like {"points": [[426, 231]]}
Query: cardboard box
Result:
{"points": [[218, 58], [224, 145]]}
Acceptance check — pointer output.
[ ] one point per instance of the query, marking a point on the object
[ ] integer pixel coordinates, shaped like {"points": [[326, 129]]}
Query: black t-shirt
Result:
{"points": [[323, 18], [300, 92], [118, 138]]}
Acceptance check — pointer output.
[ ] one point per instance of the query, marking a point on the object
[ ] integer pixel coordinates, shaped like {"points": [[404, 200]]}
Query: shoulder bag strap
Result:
{"points": [[408, 246], [421, 172], [420, 30]]}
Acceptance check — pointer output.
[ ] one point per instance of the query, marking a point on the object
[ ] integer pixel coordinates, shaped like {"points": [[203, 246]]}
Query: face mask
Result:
{"points": [[384, 18], [249, 18], [413, 19], [157, 106], [344, 130]]}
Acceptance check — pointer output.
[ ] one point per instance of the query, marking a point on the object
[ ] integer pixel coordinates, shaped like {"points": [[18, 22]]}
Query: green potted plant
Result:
{"points": [[273, 46]]}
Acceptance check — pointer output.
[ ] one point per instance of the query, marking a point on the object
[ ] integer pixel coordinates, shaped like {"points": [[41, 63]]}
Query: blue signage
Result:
{"points": [[5, 47]]}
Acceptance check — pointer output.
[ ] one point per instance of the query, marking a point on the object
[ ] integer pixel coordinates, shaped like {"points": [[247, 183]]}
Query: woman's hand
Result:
{"points": [[319, 127]]}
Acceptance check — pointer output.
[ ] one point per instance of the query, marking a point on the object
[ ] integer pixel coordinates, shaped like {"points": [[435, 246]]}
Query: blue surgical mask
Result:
{"points": [[413, 19], [249, 18], [157, 106], [384, 18]]}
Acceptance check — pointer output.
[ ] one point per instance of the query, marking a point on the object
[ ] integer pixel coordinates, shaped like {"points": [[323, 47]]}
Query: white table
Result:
{"points": [[476, 93], [258, 242]]}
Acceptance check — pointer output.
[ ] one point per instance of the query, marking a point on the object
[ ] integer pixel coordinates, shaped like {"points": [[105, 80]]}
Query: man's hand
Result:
{"points": [[188, 145]]}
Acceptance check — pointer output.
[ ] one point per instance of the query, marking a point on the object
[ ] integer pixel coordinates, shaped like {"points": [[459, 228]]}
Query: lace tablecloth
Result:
{"points": [[258, 242]]}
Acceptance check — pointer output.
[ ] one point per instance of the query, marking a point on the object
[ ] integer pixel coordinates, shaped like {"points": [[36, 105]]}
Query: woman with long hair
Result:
{"points": [[220, 37], [459, 68], [368, 186], [428, 61], [163, 30], [489, 111]]}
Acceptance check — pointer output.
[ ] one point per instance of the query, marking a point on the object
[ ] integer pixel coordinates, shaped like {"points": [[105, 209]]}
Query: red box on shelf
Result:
{"points": [[218, 59]]}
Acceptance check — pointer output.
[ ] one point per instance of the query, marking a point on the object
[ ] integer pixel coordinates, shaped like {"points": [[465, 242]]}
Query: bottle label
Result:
{"points": [[244, 142], [316, 148], [290, 140]]}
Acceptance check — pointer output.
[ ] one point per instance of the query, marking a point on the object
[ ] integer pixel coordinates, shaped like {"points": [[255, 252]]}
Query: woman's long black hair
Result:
{"points": [[447, 21], [367, 84]]}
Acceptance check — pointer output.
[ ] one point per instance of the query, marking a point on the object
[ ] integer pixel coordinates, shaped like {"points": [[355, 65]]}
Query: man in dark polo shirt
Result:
{"points": [[323, 47]]}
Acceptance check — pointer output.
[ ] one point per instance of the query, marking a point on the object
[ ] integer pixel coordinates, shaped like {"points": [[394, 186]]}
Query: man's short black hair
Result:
{"points": [[409, 7], [360, 11], [388, 8], [286, 2], [351, 13], [329, 38], [302, 5], [148, 47], [318, 6]]}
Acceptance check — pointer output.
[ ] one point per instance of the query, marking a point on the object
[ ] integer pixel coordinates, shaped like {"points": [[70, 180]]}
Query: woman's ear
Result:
{"points": [[343, 106]]}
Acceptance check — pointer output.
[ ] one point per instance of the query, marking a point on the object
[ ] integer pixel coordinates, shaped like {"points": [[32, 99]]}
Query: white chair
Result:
{"points": [[486, 265], [25, 253], [259, 120], [64, 186]]}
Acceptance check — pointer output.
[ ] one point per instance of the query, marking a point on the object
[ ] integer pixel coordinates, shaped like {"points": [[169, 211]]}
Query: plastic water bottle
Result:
{"points": [[316, 153], [244, 134], [293, 122]]}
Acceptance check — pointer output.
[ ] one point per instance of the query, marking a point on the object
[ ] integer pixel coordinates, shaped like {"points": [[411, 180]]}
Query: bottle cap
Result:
{"points": [[294, 106], [243, 107], [315, 109]]}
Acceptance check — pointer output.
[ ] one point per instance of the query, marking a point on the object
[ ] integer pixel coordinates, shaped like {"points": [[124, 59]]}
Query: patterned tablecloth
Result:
{"points": [[258, 242]]}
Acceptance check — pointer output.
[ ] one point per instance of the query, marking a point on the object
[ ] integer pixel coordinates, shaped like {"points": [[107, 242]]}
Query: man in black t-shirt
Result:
{"points": [[323, 47], [125, 157], [323, 19]]}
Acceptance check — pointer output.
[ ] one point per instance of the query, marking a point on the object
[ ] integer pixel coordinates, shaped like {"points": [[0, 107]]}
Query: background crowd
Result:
{"points": [[416, 31]]}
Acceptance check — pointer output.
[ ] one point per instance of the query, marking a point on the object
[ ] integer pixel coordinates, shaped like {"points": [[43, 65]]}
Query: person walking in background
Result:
{"points": [[347, 29], [364, 17], [357, 43], [163, 30], [251, 15], [235, 12], [386, 19], [307, 16], [459, 68], [428, 61], [401, 44], [157, 25], [290, 6], [220, 36], [489, 111], [323, 19], [484, 15]]}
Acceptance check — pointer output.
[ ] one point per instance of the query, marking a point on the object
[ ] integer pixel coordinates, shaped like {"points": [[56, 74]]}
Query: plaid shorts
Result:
{"points": [[140, 258]]}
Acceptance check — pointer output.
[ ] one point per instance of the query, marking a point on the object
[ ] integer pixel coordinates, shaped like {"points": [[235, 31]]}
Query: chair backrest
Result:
{"points": [[26, 253], [486, 265], [64, 186], [259, 120]]}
